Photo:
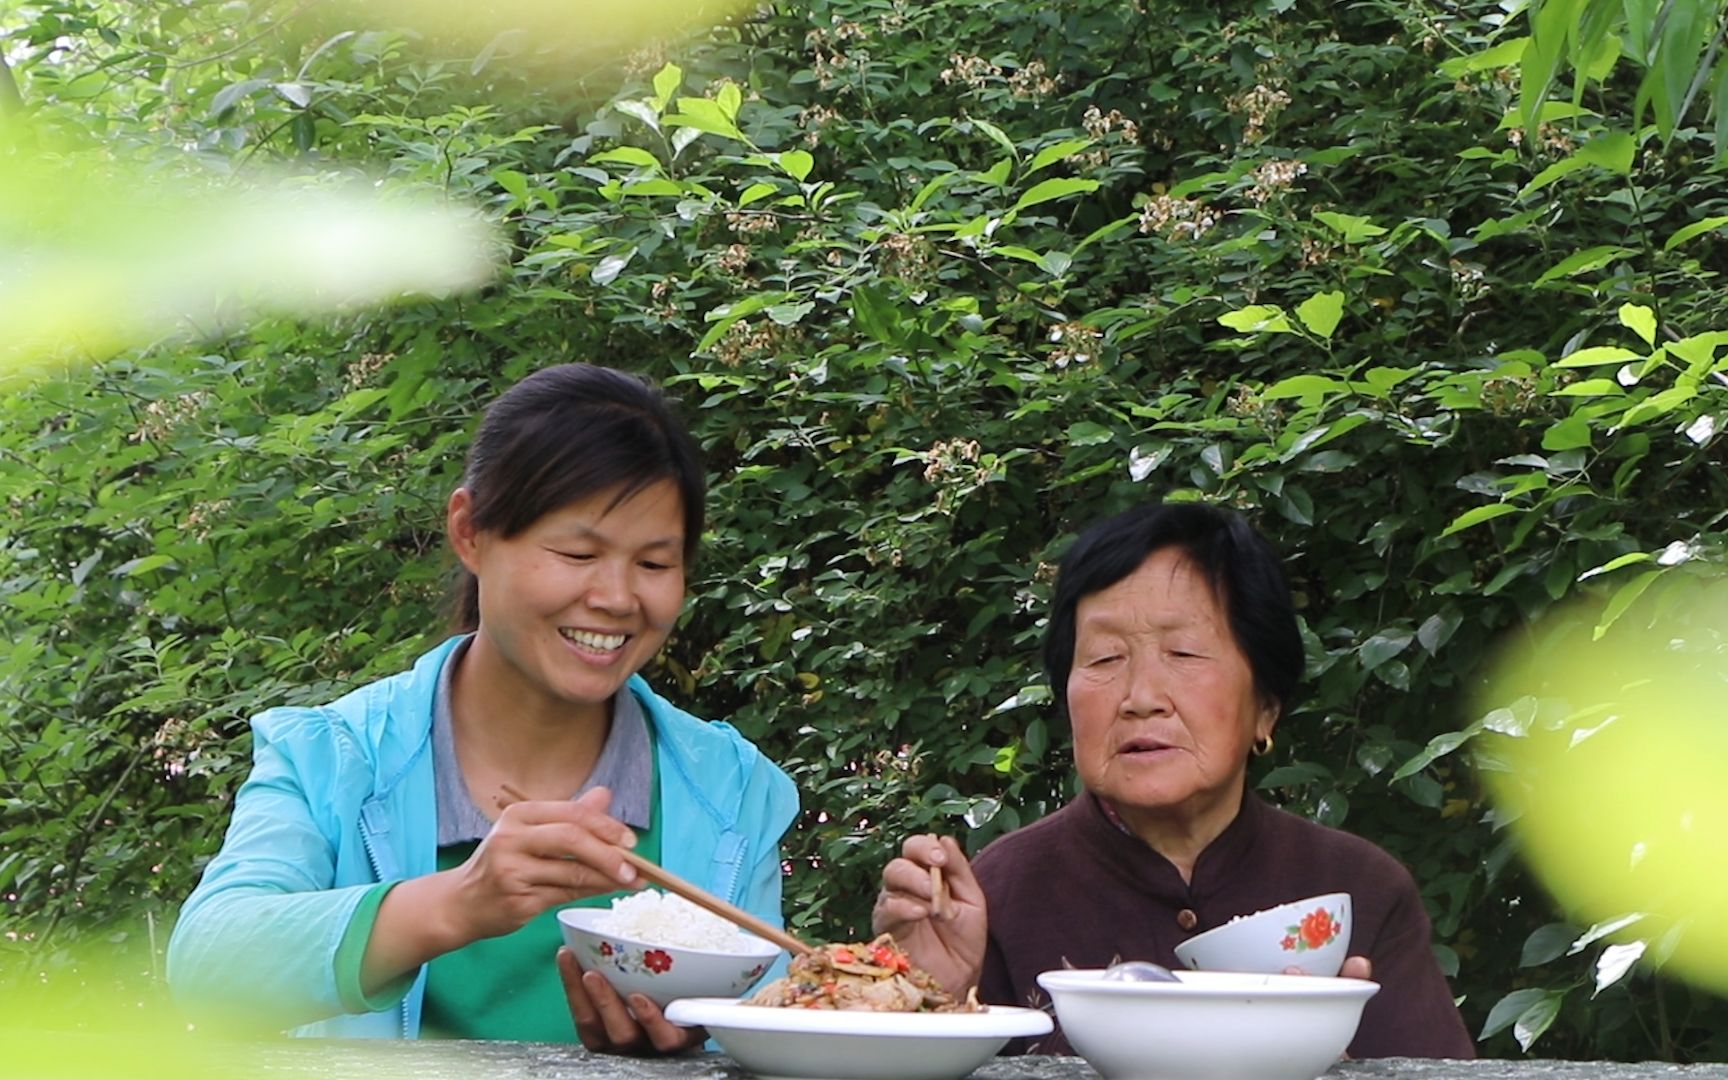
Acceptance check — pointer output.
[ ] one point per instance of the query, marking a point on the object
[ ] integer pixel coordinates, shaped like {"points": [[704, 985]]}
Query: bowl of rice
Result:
{"points": [[663, 946]]}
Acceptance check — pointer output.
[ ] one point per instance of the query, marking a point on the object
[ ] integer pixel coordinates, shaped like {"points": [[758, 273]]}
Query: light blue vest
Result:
{"points": [[341, 797]]}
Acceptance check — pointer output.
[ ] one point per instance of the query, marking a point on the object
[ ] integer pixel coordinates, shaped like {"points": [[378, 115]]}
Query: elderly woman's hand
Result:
{"points": [[949, 944], [1355, 967]]}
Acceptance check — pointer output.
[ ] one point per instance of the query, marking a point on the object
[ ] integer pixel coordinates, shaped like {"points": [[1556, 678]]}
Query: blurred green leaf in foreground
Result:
{"points": [[1605, 750], [99, 254], [589, 30]]}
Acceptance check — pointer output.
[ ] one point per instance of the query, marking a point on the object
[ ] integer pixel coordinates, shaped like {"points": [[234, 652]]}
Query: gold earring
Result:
{"points": [[1262, 746]]}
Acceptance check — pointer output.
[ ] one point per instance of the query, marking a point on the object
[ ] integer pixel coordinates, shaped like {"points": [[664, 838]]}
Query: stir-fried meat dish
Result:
{"points": [[872, 978]]}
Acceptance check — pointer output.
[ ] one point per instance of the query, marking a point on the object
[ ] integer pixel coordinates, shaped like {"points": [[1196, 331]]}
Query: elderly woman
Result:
{"points": [[1173, 649]]}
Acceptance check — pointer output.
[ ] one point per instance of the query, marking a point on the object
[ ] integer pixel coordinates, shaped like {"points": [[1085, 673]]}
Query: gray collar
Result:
{"points": [[626, 766]]}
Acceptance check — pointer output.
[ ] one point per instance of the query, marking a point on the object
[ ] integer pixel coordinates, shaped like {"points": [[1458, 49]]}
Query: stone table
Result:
{"points": [[165, 1055], [531, 1061]]}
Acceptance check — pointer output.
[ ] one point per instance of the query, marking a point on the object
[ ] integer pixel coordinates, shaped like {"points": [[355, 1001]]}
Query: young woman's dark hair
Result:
{"points": [[563, 434], [1246, 575]]}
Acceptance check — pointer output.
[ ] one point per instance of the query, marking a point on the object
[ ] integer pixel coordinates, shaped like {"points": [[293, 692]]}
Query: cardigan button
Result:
{"points": [[1186, 919]]}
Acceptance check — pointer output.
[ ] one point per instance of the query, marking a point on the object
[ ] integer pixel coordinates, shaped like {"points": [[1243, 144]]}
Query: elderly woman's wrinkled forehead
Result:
{"points": [[1243, 572]]}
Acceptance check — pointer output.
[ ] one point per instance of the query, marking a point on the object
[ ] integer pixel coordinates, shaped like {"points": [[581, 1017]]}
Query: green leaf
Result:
{"points": [[607, 270], [1087, 433], [1547, 943], [997, 135], [789, 314], [756, 192], [1507, 226], [653, 186], [729, 98], [1640, 320], [1591, 388], [1697, 228], [1537, 1019], [1628, 559], [797, 164], [876, 316], [1061, 151], [935, 184], [641, 110], [1572, 433], [701, 114], [142, 565], [1437, 630], [666, 83], [1438, 747], [1208, 180], [1309, 388], [296, 94], [627, 155], [1258, 318], [1352, 228], [1615, 962], [1623, 598], [1508, 1009], [227, 96], [1583, 262], [1559, 170], [1552, 112], [1478, 515], [1321, 312], [1598, 354], [724, 316], [1383, 647], [1059, 187], [1505, 54], [1613, 152], [1605, 928], [997, 175], [1104, 232], [1055, 263]]}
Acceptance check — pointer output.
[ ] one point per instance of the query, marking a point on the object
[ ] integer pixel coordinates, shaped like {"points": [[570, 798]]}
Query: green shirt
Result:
{"points": [[495, 988], [508, 987]]}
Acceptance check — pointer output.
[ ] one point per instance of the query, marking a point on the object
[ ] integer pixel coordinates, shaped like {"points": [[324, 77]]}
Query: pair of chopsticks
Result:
{"points": [[672, 883]]}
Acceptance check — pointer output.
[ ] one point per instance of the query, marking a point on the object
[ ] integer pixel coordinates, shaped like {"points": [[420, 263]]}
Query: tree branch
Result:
{"points": [[11, 100]]}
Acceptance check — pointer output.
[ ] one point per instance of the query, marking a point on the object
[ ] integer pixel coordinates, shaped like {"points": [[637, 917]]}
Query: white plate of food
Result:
{"points": [[854, 1012]]}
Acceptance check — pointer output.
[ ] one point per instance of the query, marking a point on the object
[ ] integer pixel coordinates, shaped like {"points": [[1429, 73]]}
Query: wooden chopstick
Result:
{"points": [[672, 883], [939, 901]]}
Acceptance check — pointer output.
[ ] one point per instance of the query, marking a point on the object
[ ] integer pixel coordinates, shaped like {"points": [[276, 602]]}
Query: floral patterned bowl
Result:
{"points": [[1311, 936], [662, 972]]}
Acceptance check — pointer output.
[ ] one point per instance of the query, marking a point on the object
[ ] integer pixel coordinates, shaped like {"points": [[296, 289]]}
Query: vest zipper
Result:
{"points": [[366, 814]]}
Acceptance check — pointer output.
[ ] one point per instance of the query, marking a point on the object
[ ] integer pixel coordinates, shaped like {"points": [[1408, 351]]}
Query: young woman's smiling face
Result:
{"points": [[576, 603], [1162, 699]]}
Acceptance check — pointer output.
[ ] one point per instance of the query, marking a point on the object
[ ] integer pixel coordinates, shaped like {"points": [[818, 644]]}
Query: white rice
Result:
{"points": [[660, 918]]}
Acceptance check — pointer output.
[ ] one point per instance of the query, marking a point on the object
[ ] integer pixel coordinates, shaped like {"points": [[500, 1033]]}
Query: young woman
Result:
{"points": [[375, 882]]}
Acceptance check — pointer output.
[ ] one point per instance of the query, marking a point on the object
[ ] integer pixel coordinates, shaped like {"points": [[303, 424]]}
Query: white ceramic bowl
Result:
{"points": [[662, 972], [1209, 1025], [826, 1044], [1311, 935]]}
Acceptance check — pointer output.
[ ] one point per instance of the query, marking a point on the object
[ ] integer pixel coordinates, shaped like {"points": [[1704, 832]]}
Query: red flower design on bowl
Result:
{"points": [[1318, 928], [658, 961]]}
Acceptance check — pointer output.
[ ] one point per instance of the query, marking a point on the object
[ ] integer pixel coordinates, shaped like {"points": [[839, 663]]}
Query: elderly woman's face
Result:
{"points": [[1161, 697]]}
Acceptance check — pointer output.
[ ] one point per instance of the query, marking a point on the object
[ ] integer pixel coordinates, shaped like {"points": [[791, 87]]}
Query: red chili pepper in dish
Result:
{"points": [[883, 956]]}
